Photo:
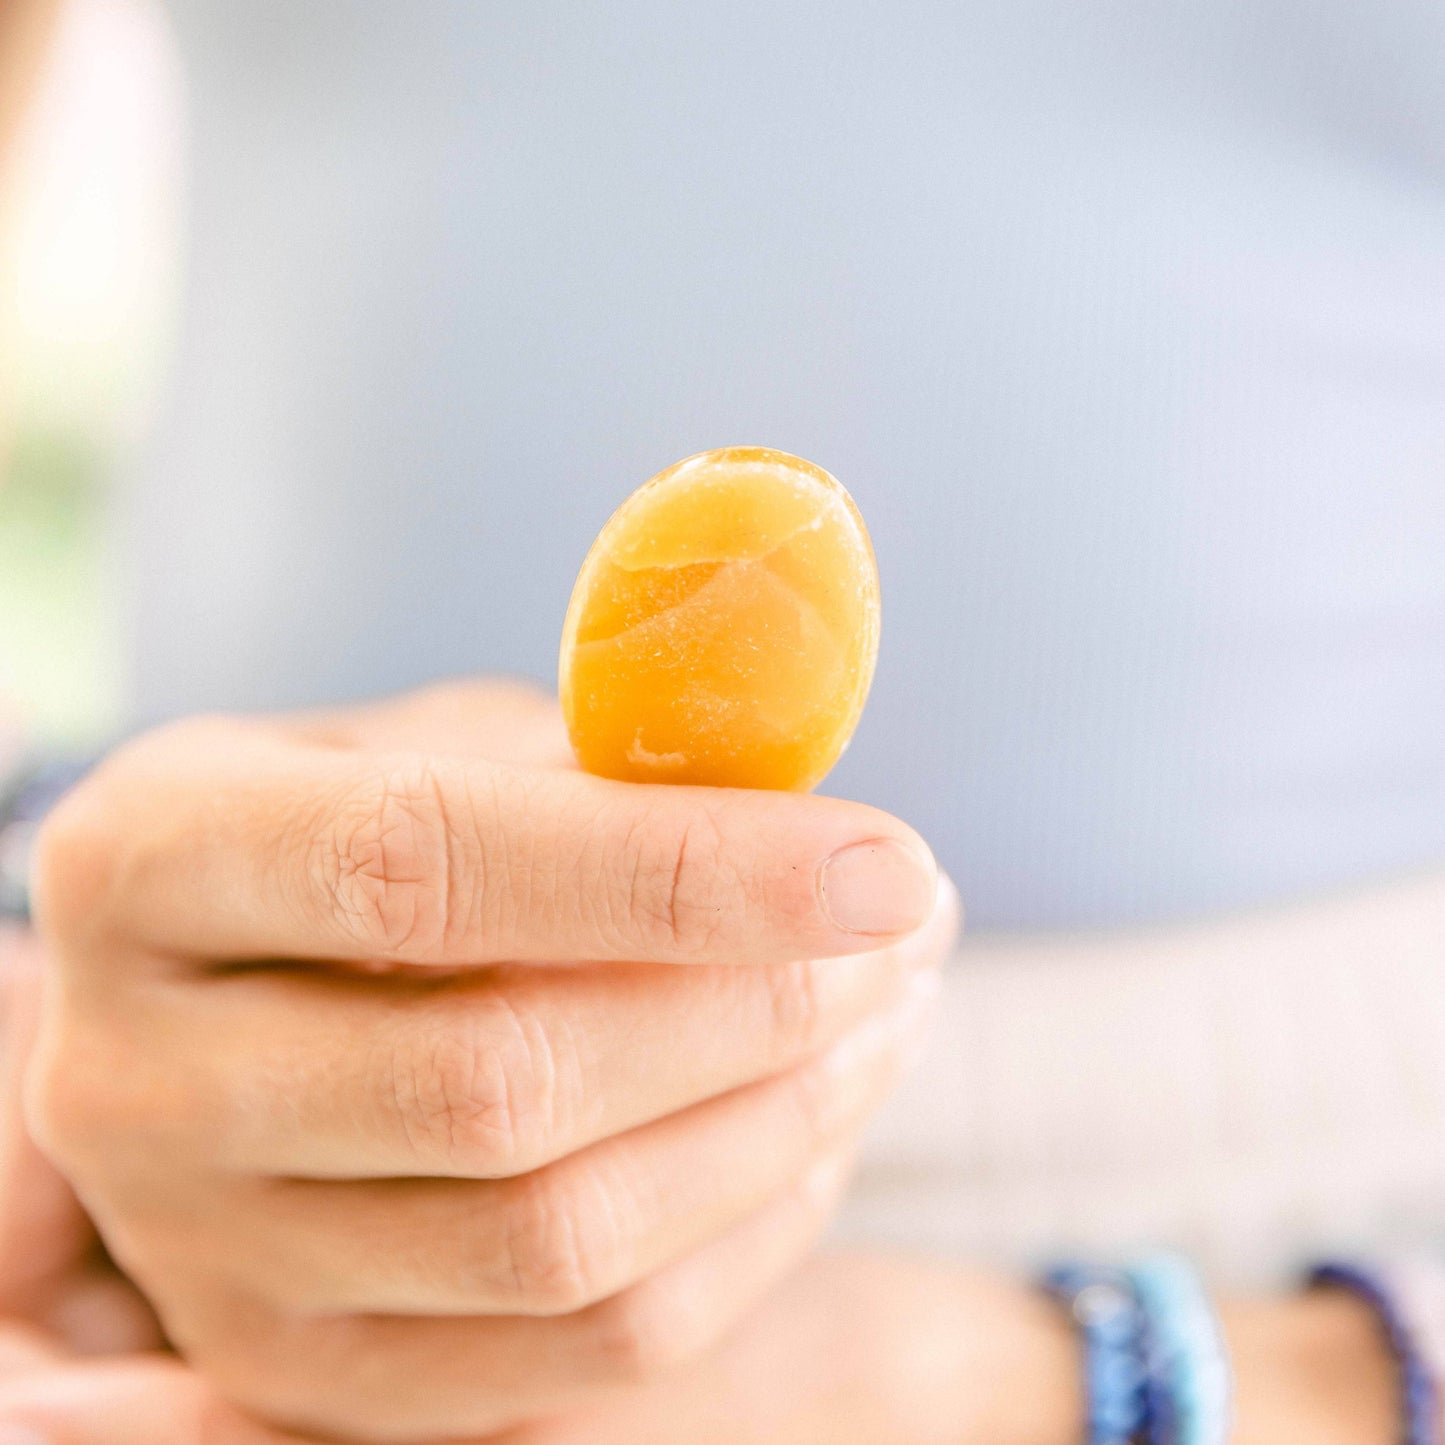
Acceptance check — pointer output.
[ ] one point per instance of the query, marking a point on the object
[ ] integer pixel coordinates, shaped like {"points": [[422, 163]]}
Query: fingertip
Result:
{"points": [[882, 887], [949, 906]]}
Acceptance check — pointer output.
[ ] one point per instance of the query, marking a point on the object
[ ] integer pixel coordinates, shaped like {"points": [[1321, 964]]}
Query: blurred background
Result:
{"points": [[1122, 322], [88, 245]]}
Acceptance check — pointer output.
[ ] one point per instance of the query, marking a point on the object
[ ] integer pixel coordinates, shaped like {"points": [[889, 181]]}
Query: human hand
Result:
{"points": [[55, 1281], [80, 1362], [850, 1349], [380, 1175], [860, 1349]]}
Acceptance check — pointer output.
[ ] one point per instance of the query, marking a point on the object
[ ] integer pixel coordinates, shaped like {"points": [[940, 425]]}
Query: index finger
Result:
{"points": [[226, 841]]}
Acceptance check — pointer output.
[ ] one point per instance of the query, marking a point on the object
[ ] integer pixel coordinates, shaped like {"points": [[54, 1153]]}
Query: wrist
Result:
{"points": [[941, 1356], [1028, 1361], [1311, 1366]]}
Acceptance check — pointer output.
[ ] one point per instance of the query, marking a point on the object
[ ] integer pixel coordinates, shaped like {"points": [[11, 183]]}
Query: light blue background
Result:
{"points": [[1125, 324]]}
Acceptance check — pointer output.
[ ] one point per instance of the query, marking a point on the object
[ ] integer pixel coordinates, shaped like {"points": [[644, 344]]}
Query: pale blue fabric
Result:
{"points": [[1125, 323]]}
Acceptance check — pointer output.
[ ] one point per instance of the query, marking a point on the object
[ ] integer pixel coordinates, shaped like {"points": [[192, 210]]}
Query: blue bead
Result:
{"points": [[1108, 1319]]}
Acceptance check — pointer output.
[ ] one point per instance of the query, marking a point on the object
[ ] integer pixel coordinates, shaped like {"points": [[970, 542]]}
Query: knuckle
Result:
{"points": [[673, 878], [76, 1107], [648, 1331], [286, 1368], [562, 1243], [396, 866], [456, 1094], [796, 1011], [93, 1107], [106, 839], [64, 1110], [815, 1096], [75, 863]]}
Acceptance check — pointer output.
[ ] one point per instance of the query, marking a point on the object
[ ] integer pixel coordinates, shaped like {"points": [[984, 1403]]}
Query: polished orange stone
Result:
{"points": [[724, 626]]}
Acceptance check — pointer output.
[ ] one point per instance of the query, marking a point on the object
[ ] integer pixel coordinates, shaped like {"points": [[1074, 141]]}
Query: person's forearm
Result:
{"points": [[1310, 1367], [936, 1354]]}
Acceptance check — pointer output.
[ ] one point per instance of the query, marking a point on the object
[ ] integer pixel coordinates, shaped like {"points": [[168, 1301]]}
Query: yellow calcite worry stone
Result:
{"points": [[724, 627]]}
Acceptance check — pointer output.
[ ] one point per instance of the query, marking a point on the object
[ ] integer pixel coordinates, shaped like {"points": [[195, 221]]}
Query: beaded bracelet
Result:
{"points": [[1187, 1380], [1418, 1283], [1396, 1303], [1110, 1323]]}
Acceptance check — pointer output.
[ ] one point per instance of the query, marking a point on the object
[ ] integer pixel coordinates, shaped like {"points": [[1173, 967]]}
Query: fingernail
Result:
{"points": [[881, 887]]}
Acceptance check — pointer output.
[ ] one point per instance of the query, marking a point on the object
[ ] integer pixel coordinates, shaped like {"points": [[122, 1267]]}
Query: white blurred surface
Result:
{"points": [[1253, 1092], [90, 270]]}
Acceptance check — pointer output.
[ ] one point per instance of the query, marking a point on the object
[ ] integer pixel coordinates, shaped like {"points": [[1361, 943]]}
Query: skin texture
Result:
{"points": [[382, 1044], [848, 1350]]}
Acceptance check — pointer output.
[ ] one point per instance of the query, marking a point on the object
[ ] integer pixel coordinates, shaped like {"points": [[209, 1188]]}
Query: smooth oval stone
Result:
{"points": [[724, 627]]}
